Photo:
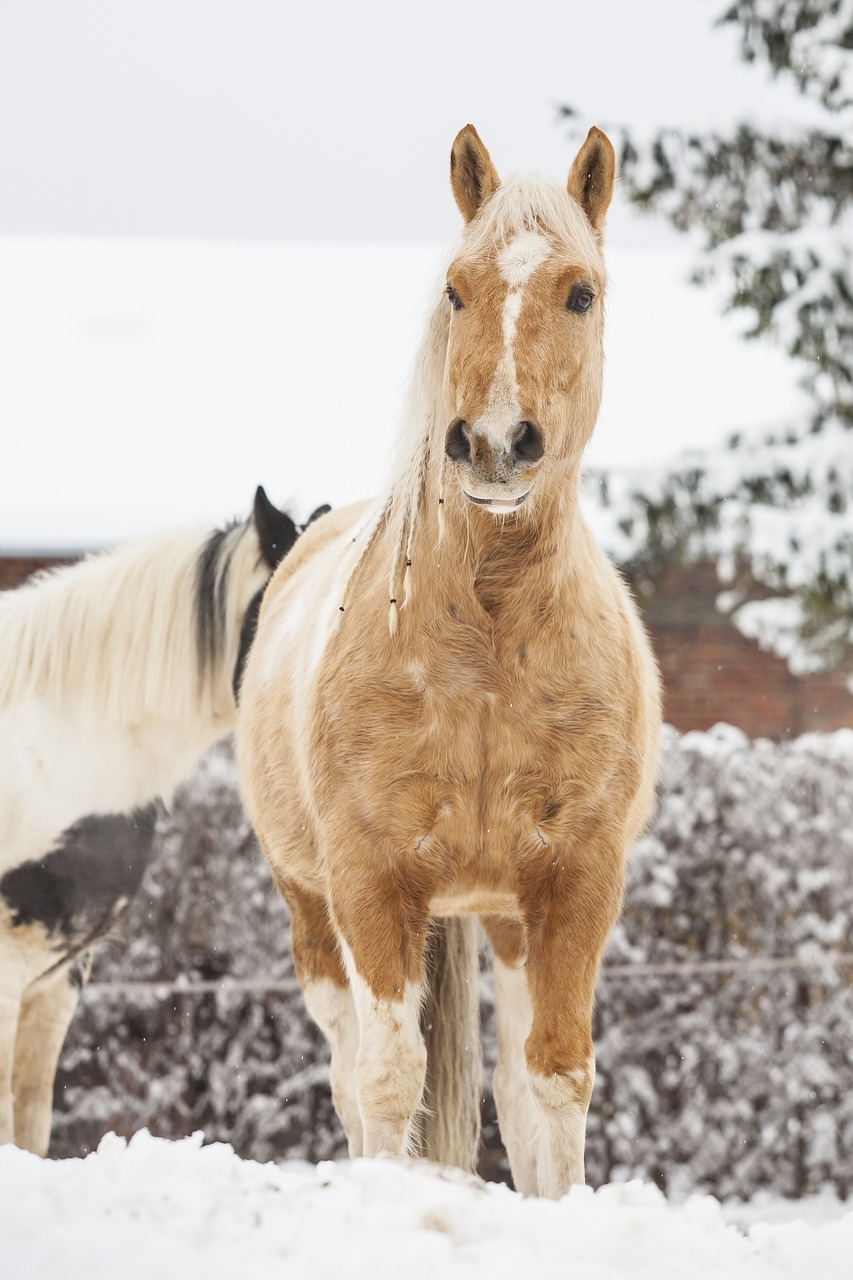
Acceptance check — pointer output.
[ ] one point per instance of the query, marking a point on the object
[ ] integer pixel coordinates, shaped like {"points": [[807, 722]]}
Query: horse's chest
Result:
{"points": [[462, 744]]}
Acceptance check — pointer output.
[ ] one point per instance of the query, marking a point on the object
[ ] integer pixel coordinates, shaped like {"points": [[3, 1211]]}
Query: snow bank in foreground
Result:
{"points": [[183, 1209]]}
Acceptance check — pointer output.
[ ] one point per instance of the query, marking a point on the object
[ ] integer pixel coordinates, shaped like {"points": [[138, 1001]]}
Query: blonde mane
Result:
{"points": [[144, 630]]}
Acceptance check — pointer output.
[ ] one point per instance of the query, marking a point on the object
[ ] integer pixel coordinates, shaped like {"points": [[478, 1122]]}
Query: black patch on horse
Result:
{"points": [[73, 891]]}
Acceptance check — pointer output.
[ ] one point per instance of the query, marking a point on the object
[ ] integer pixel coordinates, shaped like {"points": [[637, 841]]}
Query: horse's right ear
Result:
{"points": [[275, 529], [473, 177], [592, 176]]}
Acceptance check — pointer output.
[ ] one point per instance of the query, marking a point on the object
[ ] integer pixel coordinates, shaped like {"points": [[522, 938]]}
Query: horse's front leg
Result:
{"points": [[317, 959], [569, 924], [10, 1003], [383, 948], [46, 1012]]}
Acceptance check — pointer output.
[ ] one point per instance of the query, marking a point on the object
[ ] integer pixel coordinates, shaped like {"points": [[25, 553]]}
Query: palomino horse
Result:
{"points": [[116, 674], [492, 750]]}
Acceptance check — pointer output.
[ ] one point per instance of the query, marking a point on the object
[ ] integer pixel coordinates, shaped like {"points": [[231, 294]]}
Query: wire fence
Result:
{"points": [[287, 986]]}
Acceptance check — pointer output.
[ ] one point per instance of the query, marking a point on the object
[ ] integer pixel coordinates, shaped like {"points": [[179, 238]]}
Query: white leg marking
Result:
{"points": [[562, 1102], [390, 1064], [518, 1116], [333, 1009]]}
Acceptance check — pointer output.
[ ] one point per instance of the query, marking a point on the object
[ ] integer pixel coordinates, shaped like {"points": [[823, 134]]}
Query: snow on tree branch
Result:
{"points": [[780, 508], [811, 40]]}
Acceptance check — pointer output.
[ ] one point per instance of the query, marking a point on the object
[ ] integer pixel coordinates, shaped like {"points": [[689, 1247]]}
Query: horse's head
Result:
{"points": [[525, 293]]}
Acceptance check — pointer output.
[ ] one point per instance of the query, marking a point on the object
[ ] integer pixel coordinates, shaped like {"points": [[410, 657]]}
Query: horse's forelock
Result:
{"points": [[525, 204]]}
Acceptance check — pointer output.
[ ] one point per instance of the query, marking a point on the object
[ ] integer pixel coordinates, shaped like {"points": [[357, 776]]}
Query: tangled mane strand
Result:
{"points": [[135, 632]]}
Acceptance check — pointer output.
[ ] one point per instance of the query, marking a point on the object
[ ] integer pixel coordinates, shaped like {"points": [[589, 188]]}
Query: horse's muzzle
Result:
{"points": [[495, 474]]}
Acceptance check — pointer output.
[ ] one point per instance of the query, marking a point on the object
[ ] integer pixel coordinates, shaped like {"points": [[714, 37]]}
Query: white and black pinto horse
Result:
{"points": [[116, 673]]}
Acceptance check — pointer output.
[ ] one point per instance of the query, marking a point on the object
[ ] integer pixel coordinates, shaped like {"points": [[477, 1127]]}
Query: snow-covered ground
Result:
{"points": [[177, 1209]]}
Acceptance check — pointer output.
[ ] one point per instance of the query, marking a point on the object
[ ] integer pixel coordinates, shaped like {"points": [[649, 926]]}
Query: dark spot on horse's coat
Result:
{"points": [[522, 653], [451, 609], [75, 889], [550, 810]]}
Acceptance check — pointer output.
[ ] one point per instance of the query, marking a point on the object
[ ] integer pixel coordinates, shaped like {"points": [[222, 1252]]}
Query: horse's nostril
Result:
{"points": [[457, 445], [528, 444]]}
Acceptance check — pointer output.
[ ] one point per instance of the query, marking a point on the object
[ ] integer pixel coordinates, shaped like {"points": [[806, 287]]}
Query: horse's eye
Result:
{"points": [[455, 301], [580, 299]]}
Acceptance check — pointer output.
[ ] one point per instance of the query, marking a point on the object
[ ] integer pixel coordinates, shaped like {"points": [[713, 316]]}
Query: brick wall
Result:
{"points": [[16, 569], [712, 673]]}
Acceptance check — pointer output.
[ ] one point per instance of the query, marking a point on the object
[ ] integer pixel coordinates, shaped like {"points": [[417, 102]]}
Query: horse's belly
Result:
{"points": [[474, 902], [61, 766]]}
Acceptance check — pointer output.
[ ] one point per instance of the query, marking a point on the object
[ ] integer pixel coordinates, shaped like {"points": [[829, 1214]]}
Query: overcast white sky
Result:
{"points": [[327, 118], [150, 375]]}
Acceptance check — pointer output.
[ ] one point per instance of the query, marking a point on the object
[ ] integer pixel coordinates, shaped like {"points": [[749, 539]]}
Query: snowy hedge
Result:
{"points": [[729, 1076]]}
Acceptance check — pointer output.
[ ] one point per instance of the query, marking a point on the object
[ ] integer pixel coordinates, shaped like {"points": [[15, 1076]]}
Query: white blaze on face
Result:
{"points": [[517, 262]]}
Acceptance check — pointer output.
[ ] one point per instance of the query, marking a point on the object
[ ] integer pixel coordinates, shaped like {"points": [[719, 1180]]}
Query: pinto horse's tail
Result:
{"points": [[450, 1021]]}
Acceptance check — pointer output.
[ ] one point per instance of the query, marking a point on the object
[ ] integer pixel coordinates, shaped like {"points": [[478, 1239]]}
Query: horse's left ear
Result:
{"points": [[473, 177], [592, 177], [275, 529]]}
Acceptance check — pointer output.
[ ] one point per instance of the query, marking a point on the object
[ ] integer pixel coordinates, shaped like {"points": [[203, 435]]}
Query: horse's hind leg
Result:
{"points": [[46, 1011], [518, 1117], [317, 958]]}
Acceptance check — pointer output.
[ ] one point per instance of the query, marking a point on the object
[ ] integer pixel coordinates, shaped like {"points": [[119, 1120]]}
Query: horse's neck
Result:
{"points": [[497, 562]]}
